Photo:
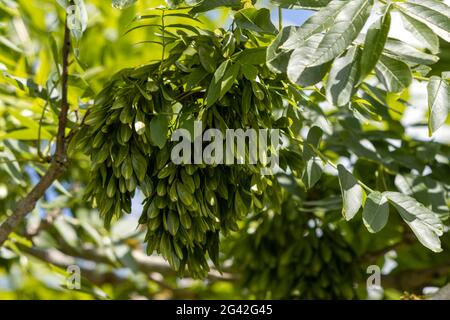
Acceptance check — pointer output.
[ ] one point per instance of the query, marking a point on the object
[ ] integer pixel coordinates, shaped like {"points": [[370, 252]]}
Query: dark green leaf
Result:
{"points": [[173, 223], [376, 212], [159, 127], [314, 165], [301, 4], [257, 20], [208, 5]]}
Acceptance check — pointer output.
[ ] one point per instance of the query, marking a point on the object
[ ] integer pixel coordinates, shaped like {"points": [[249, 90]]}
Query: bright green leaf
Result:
{"points": [[123, 4], [316, 49], [408, 53], [394, 74], [422, 33], [352, 193], [425, 224], [343, 77], [438, 103], [433, 13]]}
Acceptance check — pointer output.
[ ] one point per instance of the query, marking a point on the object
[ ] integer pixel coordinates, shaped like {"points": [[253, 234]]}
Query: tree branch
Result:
{"points": [[61, 147], [413, 280], [145, 264], [407, 240], [59, 161]]}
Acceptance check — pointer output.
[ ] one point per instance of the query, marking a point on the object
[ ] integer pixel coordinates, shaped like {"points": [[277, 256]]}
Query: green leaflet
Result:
{"points": [[101, 155], [421, 32], [127, 168], [407, 53], [314, 165], [166, 171], [222, 81], [214, 89], [352, 193], [277, 58], [173, 193], [435, 14], [291, 38], [394, 74], [162, 158], [184, 194], [79, 24], [207, 59], [250, 72], [127, 115], [374, 44], [438, 103], [240, 207], [195, 77], [131, 183], [314, 49], [255, 20], [188, 181], [122, 4], [250, 57], [173, 223], [207, 5], [229, 45], [345, 29], [228, 79], [120, 103], [159, 128], [376, 212], [317, 23], [125, 133], [161, 188], [298, 62], [147, 187], [186, 221], [98, 140], [258, 91], [426, 190], [425, 224], [301, 4], [112, 187], [121, 155], [139, 163], [343, 77]]}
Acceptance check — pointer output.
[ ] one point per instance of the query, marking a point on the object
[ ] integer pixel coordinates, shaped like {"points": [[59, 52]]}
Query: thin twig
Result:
{"points": [[328, 161], [41, 120], [280, 18]]}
